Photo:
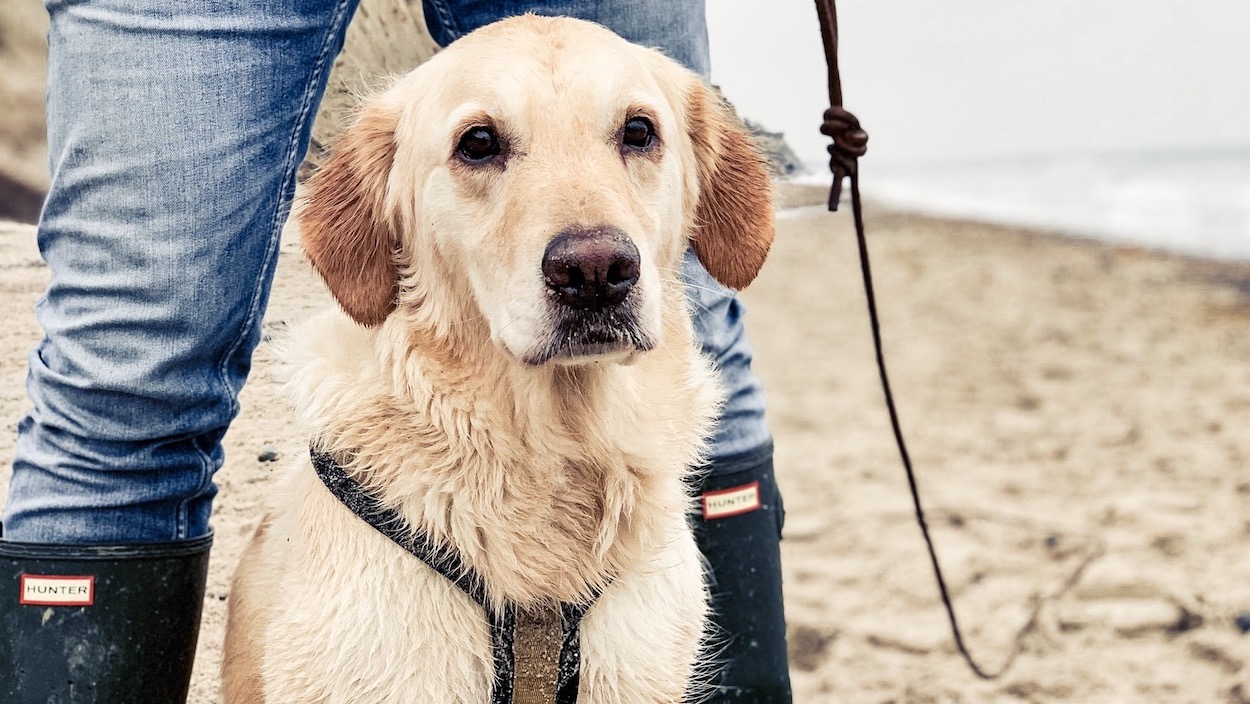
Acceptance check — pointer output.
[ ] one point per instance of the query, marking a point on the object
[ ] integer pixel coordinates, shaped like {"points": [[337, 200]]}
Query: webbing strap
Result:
{"points": [[537, 653]]}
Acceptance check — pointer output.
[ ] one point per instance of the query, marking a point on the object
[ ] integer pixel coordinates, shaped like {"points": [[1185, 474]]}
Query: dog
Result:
{"points": [[512, 373]]}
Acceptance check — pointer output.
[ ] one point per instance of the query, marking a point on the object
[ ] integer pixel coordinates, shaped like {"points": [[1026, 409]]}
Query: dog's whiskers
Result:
{"points": [[690, 285]]}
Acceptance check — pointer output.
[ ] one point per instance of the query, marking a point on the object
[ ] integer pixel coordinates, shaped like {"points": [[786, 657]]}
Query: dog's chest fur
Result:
{"points": [[547, 488], [400, 629]]}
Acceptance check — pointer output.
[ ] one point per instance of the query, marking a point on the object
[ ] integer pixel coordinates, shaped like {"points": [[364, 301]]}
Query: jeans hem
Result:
{"points": [[107, 551]]}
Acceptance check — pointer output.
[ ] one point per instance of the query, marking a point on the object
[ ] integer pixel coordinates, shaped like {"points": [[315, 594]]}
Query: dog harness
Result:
{"points": [[537, 653]]}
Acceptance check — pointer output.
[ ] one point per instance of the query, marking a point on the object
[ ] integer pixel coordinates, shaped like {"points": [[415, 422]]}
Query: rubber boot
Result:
{"points": [[738, 529], [100, 623]]}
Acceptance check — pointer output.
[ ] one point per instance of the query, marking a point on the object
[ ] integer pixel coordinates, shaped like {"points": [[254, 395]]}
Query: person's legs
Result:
{"points": [[741, 548], [175, 131], [740, 514], [678, 28]]}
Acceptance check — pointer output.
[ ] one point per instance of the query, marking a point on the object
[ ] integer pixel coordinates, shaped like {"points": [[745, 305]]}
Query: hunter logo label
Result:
{"points": [[731, 502], [57, 590]]}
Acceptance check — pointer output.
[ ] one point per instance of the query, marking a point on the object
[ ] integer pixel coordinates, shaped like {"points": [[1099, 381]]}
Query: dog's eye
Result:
{"points": [[638, 133], [479, 144]]}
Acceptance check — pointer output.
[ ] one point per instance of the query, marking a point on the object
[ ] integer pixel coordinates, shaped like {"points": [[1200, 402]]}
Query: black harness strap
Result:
{"points": [[447, 562]]}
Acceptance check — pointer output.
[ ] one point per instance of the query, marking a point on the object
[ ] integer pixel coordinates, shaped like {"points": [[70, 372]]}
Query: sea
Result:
{"points": [[1193, 202], [1140, 109]]}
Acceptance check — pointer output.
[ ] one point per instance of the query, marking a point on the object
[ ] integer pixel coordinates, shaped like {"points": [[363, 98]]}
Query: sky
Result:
{"points": [[935, 80]]}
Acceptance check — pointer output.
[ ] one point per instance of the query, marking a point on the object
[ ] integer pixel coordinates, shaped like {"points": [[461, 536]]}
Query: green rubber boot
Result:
{"points": [[112, 624]]}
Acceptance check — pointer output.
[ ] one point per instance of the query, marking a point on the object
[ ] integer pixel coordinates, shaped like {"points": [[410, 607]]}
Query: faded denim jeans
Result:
{"points": [[175, 131]]}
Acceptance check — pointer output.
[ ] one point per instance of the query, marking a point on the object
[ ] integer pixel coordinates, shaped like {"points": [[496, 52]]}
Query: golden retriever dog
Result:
{"points": [[513, 373]]}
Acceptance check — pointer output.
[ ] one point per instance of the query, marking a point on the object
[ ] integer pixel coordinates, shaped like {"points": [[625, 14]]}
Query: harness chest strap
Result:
{"points": [[537, 653]]}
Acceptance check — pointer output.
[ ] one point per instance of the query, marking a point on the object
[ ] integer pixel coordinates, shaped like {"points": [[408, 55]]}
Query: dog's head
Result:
{"points": [[545, 176]]}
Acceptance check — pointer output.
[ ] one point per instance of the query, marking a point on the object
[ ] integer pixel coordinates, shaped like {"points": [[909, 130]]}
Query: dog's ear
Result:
{"points": [[734, 225], [347, 234]]}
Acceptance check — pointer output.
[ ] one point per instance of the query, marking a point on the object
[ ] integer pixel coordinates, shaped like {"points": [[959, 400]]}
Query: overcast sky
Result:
{"points": [[970, 79]]}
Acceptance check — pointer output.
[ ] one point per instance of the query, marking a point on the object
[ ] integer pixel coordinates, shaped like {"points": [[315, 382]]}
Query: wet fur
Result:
{"points": [[550, 480]]}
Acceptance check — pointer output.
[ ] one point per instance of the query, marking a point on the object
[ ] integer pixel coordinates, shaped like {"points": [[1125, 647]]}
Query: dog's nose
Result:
{"points": [[591, 269]]}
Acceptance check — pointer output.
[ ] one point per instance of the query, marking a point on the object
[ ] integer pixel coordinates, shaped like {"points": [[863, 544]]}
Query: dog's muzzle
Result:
{"points": [[591, 275]]}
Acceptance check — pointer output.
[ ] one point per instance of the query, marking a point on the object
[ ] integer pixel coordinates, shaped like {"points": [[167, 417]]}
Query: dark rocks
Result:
{"points": [[19, 201], [781, 158]]}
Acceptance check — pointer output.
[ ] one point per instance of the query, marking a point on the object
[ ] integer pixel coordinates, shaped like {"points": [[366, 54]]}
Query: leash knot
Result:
{"points": [[850, 142]]}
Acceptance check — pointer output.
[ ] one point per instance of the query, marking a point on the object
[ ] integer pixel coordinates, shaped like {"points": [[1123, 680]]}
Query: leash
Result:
{"points": [[850, 142], [537, 652]]}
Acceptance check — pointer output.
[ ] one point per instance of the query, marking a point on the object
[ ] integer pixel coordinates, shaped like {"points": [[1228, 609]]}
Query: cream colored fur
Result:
{"points": [[550, 479]]}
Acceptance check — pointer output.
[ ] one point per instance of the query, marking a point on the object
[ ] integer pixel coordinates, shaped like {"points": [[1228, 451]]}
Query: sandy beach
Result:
{"points": [[1077, 414]]}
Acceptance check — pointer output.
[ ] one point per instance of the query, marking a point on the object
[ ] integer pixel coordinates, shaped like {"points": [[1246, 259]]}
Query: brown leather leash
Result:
{"points": [[850, 142]]}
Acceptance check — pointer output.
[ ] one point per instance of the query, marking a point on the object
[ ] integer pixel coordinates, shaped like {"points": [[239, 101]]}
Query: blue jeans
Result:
{"points": [[175, 131]]}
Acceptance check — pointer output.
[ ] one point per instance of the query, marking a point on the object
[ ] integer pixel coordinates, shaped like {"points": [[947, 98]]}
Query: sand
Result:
{"points": [[1077, 414], [23, 153]]}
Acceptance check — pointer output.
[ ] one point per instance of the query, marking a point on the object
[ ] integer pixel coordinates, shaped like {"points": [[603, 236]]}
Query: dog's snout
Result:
{"points": [[591, 269]]}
